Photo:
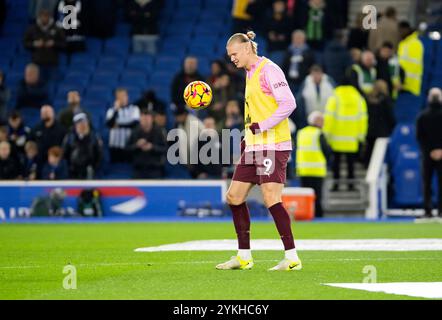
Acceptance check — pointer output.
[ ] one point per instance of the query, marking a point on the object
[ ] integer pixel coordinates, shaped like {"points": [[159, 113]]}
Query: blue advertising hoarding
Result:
{"points": [[118, 197]]}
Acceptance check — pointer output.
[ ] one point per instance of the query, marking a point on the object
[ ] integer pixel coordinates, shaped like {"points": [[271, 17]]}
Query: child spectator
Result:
{"points": [[18, 132], [31, 167], [56, 167]]}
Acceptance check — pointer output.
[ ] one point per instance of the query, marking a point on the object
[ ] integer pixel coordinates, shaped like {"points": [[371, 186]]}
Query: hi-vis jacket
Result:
{"points": [[411, 56], [345, 120]]}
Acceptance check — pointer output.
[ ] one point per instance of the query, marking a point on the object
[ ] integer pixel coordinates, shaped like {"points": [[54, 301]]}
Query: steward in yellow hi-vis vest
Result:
{"points": [[345, 121], [259, 107], [312, 152], [411, 60], [310, 160]]}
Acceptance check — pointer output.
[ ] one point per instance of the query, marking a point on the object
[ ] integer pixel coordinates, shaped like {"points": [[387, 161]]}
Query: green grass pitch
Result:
{"points": [[32, 258]]}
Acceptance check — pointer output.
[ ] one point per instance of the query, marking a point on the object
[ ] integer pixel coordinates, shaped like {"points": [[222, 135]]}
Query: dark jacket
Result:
{"points": [[33, 96], [4, 99], [47, 138], [279, 27], [154, 158], [45, 56], [143, 18], [381, 121], [82, 154], [179, 83], [308, 59], [429, 128], [358, 38], [337, 60], [60, 171], [9, 169]]}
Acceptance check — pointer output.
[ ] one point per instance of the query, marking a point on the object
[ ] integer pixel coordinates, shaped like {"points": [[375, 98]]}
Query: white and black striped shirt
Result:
{"points": [[121, 122]]}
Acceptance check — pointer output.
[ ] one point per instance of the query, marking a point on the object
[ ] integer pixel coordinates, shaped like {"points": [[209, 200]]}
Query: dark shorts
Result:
{"points": [[260, 167]]}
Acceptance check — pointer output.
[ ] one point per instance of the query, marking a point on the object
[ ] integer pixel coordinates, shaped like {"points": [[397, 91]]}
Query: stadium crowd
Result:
{"points": [[309, 40]]}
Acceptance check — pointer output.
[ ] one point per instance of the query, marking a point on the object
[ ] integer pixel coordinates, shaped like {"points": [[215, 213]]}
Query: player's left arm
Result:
{"points": [[275, 83]]}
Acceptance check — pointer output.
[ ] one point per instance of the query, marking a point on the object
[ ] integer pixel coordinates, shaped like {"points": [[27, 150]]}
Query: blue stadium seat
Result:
{"points": [[117, 46], [119, 171], [134, 78], [94, 45], [142, 62], [80, 79], [83, 58], [99, 92], [31, 116], [12, 78], [162, 78], [402, 139], [105, 78], [59, 104], [407, 182], [85, 67]]}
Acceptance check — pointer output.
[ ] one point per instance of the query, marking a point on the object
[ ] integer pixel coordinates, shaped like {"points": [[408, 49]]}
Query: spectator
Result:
{"points": [[4, 137], [318, 25], [363, 75], [4, 97], [183, 78], [48, 133], [388, 69], [148, 147], [298, 60], [31, 91], [336, 57], [381, 120], [222, 91], [355, 55], [121, 119], [18, 132], [209, 149], [100, 17], [66, 115], [233, 118], [429, 133], [237, 81], [345, 127], [242, 20], [56, 167], [312, 155], [358, 37], [316, 90], [36, 6], [143, 15], [9, 167], [411, 58], [387, 30], [75, 39], [82, 149], [190, 126], [45, 40], [31, 166], [278, 28], [150, 101]]}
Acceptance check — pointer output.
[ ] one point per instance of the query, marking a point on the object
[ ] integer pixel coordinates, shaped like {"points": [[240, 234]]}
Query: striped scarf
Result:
{"points": [[314, 24]]}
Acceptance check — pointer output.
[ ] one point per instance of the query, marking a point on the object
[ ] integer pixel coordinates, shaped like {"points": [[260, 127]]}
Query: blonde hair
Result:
{"points": [[243, 38]]}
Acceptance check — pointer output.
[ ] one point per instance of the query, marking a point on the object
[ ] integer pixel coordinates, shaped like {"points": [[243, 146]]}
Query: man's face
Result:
{"points": [[5, 151], [31, 152], [368, 59], [232, 109], [44, 18], [317, 76], [73, 97], [46, 113], [31, 75], [385, 53], [82, 127], [122, 97], [209, 123], [279, 7], [146, 120], [298, 39], [190, 65], [237, 51], [181, 118]]}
